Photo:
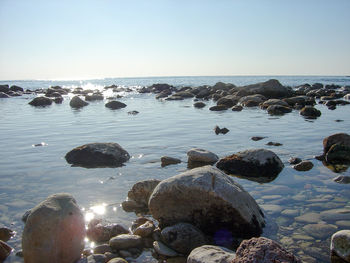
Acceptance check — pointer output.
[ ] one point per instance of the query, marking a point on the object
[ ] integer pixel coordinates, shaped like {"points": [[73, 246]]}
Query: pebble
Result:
{"points": [[163, 250], [309, 218]]}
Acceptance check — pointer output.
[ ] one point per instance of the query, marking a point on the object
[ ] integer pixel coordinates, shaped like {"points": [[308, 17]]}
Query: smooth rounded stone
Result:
{"points": [[343, 223], [310, 112], [199, 105], [95, 258], [163, 250], [252, 163], [138, 222], [272, 209], [4, 95], [290, 212], [101, 249], [41, 102], [115, 105], [117, 260], [125, 253], [237, 108], [101, 231], [303, 166], [210, 254], [76, 102], [263, 250], [54, 231], [16, 88], [5, 250], [4, 88], [335, 214], [145, 229], [141, 191], [6, 234], [320, 231], [302, 237], [228, 101], [342, 179], [309, 218], [218, 108], [271, 102], [183, 237], [294, 160], [94, 97], [338, 154], [208, 199], [125, 241], [278, 109], [166, 160], [254, 100], [201, 156], [98, 155], [340, 244], [338, 138]]}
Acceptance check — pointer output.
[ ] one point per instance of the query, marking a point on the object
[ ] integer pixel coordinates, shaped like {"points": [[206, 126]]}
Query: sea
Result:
{"points": [[302, 209]]}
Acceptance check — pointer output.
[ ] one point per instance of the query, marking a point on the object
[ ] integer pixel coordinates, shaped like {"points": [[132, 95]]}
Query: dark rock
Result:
{"points": [[310, 112], [94, 97], [4, 88], [274, 144], [115, 105], [250, 103], [218, 108], [237, 108], [77, 102], [101, 231], [101, 249], [218, 130], [199, 105], [342, 179], [338, 154], [6, 234], [164, 94], [4, 95], [263, 250], [134, 112], [58, 100], [145, 230], [338, 138], [257, 138], [278, 110], [157, 88], [98, 155], [197, 155], [296, 100], [166, 160], [303, 166], [270, 89], [271, 102], [294, 160], [40, 102], [5, 250], [16, 88], [228, 101]]}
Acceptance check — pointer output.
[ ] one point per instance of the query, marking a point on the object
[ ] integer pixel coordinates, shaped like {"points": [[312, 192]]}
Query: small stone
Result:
{"points": [[134, 112], [209, 254], [201, 156], [163, 250], [96, 258], [342, 179], [115, 105], [145, 229], [218, 108], [294, 160], [102, 231], [257, 138], [237, 108], [166, 160], [5, 250], [199, 105], [303, 166], [218, 130], [77, 102], [310, 112], [41, 102], [101, 249], [125, 241], [117, 260], [5, 234], [274, 144]]}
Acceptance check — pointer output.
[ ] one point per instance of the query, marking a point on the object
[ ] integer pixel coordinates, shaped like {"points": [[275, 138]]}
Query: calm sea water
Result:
{"points": [[29, 174]]}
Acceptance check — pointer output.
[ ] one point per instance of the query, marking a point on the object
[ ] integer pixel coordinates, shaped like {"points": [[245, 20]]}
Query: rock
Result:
{"points": [[340, 244], [5, 250], [208, 199], [199, 105], [335, 214], [163, 250], [257, 163], [255, 99], [77, 102], [229, 101], [196, 155], [133, 206], [263, 250], [117, 260], [338, 138], [95, 258], [218, 130], [271, 102], [296, 100], [4, 95], [310, 112], [237, 108], [4, 88], [278, 110], [303, 166], [210, 254], [54, 231], [16, 88], [115, 105], [145, 229], [270, 89], [257, 138], [134, 112], [338, 154], [40, 102], [342, 179], [309, 218], [183, 237], [141, 191], [94, 97], [166, 160], [218, 108], [101, 231], [101, 249], [98, 155], [320, 231], [274, 144], [125, 241], [6, 234], [294, 160]]}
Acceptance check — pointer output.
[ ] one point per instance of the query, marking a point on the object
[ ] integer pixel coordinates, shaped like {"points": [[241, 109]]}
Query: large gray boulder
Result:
{"points": [[210, 254], [54, 231], [340, 244], [255, 164], [40, 102], [208, 199], [336, 148], [270, 89], [77, 102], [98, 155]]}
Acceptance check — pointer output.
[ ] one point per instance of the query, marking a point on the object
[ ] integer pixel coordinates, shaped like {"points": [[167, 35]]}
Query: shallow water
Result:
{"points": [[30, 173]]}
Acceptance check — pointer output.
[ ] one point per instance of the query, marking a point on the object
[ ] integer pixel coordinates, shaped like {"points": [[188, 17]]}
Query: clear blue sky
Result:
{"points": [[71, 39]]}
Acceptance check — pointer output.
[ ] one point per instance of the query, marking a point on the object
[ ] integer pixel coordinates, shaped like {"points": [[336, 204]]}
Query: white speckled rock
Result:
{"points": [[340, 244], [210, 254], [201, 156], [208, 199]]}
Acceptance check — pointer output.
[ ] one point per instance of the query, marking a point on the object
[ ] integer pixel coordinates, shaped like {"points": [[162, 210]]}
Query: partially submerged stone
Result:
{"points": [[198, 155], [303, 166], [41, 102], [209, 254], [115, 105], [76, 102], [310, 112], [167, 160], [340, 244]]}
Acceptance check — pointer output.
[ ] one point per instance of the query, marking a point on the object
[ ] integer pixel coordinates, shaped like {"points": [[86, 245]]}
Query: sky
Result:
{"points": [[87, 39]]}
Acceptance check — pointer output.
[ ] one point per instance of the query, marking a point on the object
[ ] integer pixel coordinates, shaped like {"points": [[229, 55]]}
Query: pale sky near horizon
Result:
{"points": [[85, 39]]}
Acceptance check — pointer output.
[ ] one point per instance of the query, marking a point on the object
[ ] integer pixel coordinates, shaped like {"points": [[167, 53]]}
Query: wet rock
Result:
{"points": [[199, 105], [237, 108], [125, 241], [252, 163], [166, 160], [270, 89], [278, 110], [5, 250], [196, 155], [338, 138], [340, 244], [229, 101], [94, 258], [101, 230], [94, 97], [163, 250], [117, 260], [40, 102], [342, 179], [134, 112], [303, 166], [138, 222], [272, 102], [98, 155], [183, 237], [251, 100], [274, 144], [54, 231], [208, 199], [209, 254], [115, 105], [132, 206], [218, 108], [141, 191], [309, 218], [219, 130], [263, 250], [320, 231], [16, 88], [6, 234], [4, 95], [294, 160], [310, 112], [338, 154], [335, 214], [77, 102], [257, 138], [4, 88], [101, 249], [144, 230]]}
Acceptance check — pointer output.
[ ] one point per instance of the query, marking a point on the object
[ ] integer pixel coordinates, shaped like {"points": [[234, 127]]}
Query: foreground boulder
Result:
{"points": [[77, 102], [336, 148], [54, 231], [98, 155], [210, 254], [208, 199], [41, 102], [252, 164], [340, 244], [263, 250]]}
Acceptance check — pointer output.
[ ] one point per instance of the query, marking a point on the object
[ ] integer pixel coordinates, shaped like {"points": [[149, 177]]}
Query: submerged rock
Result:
{"points": [[208, 199], [98, 155], [166, 160], [54, 231], [77, 102], [210, 254], [310, 112], [41, 102], [340, 244], [336, 148], [115, 105], [263, 250], [199, 105], [219, 130]]}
